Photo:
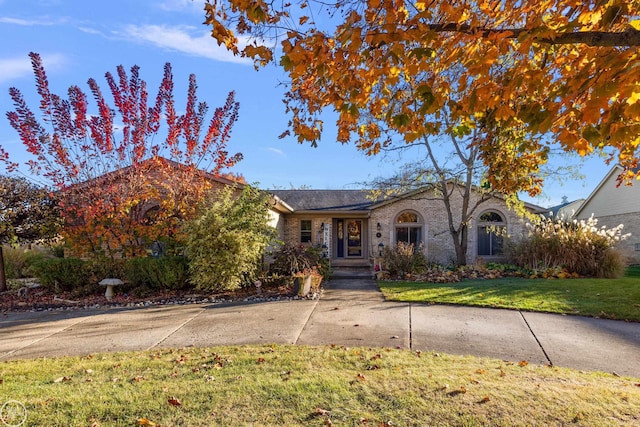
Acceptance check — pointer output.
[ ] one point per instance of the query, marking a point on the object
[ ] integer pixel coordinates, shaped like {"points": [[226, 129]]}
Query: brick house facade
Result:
{"points": [[353, 230]]}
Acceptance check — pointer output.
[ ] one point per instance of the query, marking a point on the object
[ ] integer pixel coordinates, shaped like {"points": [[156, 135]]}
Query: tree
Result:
{"points": [[121, 186], [564, 69], [227, 240], [27, 213]]}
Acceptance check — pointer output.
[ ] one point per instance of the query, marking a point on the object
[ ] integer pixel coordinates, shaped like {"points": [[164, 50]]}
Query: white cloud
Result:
{"points": [[16, 21], [41, 20], [177, 5], [89, 30], [180, 39], [277, 151], [15, 68]]}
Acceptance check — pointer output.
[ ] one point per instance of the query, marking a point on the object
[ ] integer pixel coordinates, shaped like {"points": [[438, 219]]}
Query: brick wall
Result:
{"points": [[631, 225], [436, 236]]}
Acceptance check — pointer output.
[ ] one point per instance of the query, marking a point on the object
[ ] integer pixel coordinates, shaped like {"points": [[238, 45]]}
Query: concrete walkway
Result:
{"points": [[351, 313]]}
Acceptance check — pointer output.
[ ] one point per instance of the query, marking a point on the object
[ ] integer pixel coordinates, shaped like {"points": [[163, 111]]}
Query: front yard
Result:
{"points": [[606, 298], [309, 386]]}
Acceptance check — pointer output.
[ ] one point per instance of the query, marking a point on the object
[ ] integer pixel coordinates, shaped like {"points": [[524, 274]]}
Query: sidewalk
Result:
{"points": [[351, 313]]}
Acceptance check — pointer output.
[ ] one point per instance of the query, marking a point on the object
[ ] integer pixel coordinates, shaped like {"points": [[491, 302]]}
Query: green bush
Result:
{"points": [[63, 274], [168, 272], [403, 259], [578, 247], [225, 244], [18, 261]]}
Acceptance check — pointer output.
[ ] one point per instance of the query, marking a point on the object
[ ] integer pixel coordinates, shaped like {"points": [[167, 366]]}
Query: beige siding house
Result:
{"points": [[353, 230], [613, 205]]}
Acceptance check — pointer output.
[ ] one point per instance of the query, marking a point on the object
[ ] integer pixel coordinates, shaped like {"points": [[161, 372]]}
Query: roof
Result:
{"points": [[347, 200], [566, 209], [325, 200]]}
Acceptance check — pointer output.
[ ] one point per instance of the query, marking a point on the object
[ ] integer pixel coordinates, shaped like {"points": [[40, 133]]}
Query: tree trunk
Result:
{"points": [[3, 276], [459, 238]]}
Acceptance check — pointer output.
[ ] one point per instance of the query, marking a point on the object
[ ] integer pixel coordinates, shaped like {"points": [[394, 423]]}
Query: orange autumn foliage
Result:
{"points": [[563, 69]]}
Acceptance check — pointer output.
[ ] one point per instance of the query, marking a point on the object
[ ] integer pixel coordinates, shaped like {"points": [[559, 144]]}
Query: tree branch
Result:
{"points": [[628, 38]]}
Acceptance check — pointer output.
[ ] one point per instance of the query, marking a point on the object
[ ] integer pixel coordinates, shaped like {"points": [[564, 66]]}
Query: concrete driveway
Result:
{"points": [[352, 312]]}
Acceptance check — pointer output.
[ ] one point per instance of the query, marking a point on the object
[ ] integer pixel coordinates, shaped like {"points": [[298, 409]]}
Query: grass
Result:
{"points": [[605, 298], [311, 386]]}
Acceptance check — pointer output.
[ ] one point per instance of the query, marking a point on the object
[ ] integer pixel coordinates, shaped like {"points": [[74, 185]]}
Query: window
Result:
{"points": [[637, 246], [490, 240], [305, 231], [408, 228]]}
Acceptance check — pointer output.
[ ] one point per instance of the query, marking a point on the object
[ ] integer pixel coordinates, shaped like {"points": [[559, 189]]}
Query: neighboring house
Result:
{"points": [[613, 205], [566, 209], [354, 230]]}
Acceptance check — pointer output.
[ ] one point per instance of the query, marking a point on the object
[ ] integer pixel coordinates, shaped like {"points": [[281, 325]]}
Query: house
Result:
{"points": [[613, 205], [353, 229], [566, 209]]}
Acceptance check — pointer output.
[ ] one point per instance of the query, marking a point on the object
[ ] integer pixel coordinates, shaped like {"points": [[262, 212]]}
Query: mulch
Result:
{"points": [[42, 299]]}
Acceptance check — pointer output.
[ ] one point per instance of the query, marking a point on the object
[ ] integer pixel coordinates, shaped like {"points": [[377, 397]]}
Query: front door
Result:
{"points": [[349, 238]]}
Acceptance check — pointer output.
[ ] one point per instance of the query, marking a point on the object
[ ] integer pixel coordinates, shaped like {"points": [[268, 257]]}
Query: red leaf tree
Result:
{"points": [[130, 173]]}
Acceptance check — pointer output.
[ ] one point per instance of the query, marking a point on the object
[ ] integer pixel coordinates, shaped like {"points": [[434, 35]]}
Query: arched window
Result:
{"points": [[408, 228], [490, 234]]}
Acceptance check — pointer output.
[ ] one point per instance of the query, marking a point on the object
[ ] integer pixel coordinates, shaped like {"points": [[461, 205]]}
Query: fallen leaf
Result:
{"points": [[146, 422], [62, 380], [361, 377], [322, 412], [480, 371], [261, 360], [461, 390], [137, 379], [174, 401], [523, 363], [485, 399]]}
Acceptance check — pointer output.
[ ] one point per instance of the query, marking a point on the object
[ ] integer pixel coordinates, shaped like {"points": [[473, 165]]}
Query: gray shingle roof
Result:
{"points": [[325, 200]]}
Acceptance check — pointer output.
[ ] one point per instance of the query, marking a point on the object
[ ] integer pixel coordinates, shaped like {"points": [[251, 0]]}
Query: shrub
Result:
{"points": [[19, 260], [578, 247], [403, 259], [168, 272], [289, 260], [227, 241], [63, 274]]}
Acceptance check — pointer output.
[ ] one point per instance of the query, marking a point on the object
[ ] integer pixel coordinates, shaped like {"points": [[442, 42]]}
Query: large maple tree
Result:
{"points": [[128, 173], [566, 70]]}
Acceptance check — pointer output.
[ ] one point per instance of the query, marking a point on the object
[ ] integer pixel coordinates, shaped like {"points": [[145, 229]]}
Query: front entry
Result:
{"points": [[349, 238]]}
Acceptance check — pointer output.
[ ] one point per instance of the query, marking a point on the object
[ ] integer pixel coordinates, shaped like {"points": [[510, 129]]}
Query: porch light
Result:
{"points": [[378, 227], [322, 227], [380, 248]]}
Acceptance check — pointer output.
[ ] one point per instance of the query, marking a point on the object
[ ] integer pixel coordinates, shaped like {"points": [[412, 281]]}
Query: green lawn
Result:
{"points": [[606, 298], [309, 386]]}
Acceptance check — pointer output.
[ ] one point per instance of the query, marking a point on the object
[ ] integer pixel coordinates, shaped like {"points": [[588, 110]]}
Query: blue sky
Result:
{"points": [[82, 39]]}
